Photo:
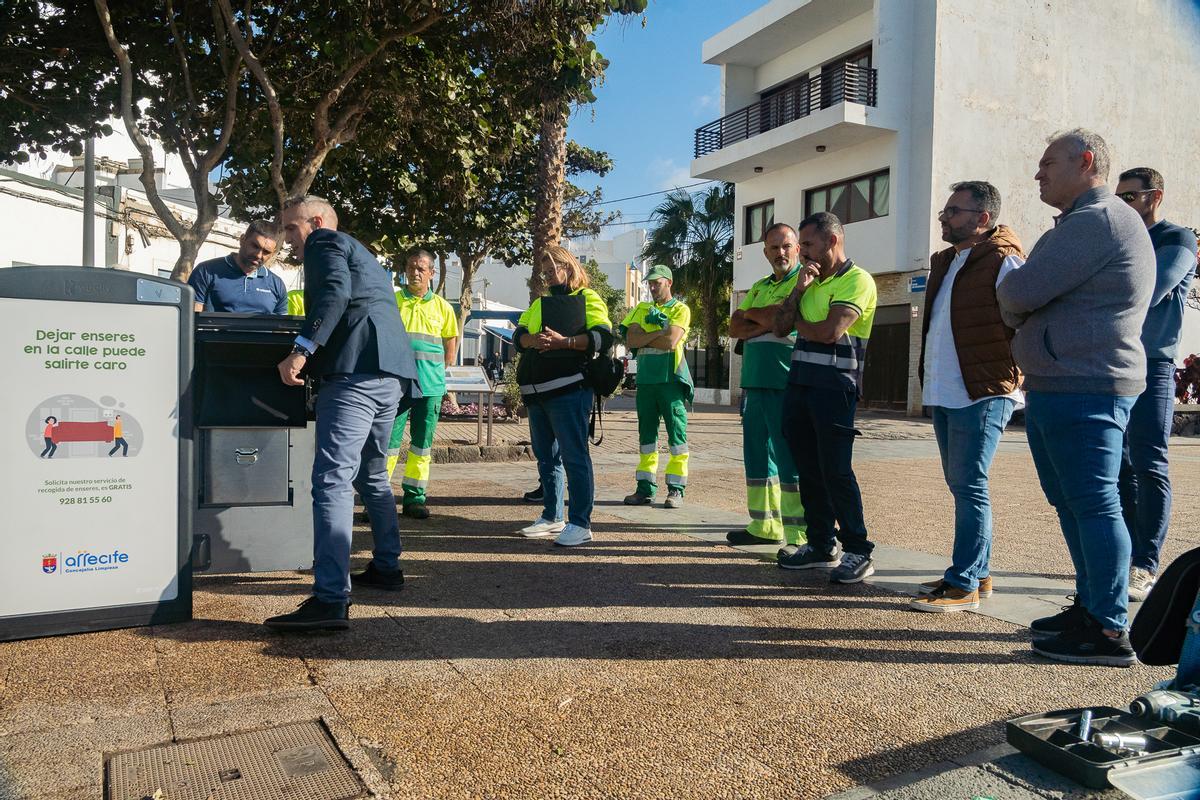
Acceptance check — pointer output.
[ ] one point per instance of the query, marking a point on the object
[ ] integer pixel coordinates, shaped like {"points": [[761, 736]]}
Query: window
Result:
{"points": [[853, 200], [759, 217]]}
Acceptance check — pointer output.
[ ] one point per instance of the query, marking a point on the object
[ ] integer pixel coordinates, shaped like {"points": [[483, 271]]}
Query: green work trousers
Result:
{"points": [[665, 401], [772, 483], [424, 414]]}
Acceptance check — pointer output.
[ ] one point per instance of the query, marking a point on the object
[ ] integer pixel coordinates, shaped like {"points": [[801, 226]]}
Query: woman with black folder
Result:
{"points": [[557, 336]]}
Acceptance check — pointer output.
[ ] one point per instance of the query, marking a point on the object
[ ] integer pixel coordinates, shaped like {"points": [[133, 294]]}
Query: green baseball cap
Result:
{"points": [[659, 271]]}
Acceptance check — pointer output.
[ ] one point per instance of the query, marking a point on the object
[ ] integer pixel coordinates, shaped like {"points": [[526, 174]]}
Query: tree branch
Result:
{"points": [[174, 225], [264, 81]]}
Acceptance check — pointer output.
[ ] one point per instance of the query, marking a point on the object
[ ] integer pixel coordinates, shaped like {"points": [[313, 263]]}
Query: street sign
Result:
{"points": [[917, 283]]}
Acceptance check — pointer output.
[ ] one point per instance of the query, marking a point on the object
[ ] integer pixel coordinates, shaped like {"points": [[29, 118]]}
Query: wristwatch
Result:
{"points": [[298, 350]]}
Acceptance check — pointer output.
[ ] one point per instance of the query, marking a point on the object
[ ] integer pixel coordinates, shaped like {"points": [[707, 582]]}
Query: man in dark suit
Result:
{"points": [[354, 340]]}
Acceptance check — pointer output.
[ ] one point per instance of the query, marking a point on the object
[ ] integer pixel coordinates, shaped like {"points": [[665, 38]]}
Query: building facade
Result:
{"points": [[872, 108]]}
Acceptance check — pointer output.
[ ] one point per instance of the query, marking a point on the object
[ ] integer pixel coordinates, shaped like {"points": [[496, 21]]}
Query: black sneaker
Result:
{"points": [[806, 557], [1072, 617], [745, 537], [535, 496], [1087, 645], [374, 578], [416, 511], [313, 615], [853, 568]]}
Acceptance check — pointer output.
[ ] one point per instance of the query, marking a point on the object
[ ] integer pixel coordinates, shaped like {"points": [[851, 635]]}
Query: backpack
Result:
{"points": [[604, 374]]}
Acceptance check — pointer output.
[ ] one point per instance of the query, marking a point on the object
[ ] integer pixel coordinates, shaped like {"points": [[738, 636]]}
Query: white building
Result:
{"points": [[41, 213], [872, 108], [619, 258]]}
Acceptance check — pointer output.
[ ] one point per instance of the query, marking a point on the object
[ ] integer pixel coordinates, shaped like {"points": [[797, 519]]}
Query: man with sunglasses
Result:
{"points": [[1144, 483], [969, 380]]}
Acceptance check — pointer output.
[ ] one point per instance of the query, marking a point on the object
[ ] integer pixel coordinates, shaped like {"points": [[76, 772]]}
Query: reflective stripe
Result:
{"points": [[549, 386], [421, 355], [794, 488], [393, 452], [426, 337], [676, 480], [644, 476], [407, 481], [420, 451], [771, 481], [653, 351], [759, 514], [679, 449], [773, 339], [595, 340], [847, 364], [647, 448], [793, 520]]}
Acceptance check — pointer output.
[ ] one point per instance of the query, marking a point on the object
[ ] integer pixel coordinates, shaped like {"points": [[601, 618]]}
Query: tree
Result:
{"points": [[193, 116], [693, 234], [613, 298], [570, 66]]}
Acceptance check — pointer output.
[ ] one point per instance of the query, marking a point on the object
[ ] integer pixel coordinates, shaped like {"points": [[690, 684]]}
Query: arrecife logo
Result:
{"points": [[84, 561]]}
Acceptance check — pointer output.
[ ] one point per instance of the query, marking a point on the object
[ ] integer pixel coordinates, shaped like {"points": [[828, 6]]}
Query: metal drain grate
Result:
{"points": [[291, 762]]}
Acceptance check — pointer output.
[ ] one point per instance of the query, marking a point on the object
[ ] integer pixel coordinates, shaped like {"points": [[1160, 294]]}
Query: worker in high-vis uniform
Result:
{"points": [[772, 483], [432, 329], [656, 332], [295, 303]]}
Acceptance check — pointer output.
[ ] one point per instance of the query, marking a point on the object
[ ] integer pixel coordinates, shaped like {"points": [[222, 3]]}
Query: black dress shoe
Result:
{"points": [[374, 578], [313, 615], [744, 537], [416, 511], [534, 496]]}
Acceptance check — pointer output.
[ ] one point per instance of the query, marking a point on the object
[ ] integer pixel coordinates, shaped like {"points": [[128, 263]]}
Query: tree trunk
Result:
{"points": [[189, 248], [470, 263], [552, 172], [441, 284]]}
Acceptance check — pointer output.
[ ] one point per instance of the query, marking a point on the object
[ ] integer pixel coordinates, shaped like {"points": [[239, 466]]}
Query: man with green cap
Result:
{"points": [[655, 332], [772, 482]]}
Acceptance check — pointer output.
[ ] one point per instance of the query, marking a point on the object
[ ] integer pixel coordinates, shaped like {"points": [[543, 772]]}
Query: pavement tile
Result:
{"points": [[70, 759], [249, 711]]}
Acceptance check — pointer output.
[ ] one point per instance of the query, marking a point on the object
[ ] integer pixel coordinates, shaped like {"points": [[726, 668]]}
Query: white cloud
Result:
{"points": [[667, 174], [707, 105]]}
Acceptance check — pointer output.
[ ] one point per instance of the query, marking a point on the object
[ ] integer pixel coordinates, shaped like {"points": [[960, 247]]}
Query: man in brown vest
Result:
{"points": [[969, 380]]}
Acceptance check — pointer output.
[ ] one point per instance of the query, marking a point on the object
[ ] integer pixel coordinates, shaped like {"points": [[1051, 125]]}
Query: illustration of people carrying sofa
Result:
{"points": [[111, 433]]}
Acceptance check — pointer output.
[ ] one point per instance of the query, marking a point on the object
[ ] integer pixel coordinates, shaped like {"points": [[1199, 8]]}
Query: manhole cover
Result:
{"points": [[292, 762]]}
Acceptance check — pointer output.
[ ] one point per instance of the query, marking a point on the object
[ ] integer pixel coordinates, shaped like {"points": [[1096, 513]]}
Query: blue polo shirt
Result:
{"points": [[221, 285]]}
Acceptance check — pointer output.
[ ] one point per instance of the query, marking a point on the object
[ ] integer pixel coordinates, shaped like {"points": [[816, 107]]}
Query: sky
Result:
{"points": [[656, 92]]}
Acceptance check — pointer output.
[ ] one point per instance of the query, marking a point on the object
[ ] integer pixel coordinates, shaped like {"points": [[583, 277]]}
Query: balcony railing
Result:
{"points": [[843, 83]]}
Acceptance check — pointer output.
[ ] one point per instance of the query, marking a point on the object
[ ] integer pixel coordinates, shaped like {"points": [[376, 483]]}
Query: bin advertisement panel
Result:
{"points": [[89, 431]]}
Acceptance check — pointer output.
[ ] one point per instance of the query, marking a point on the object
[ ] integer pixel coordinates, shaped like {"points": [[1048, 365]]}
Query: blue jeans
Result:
{"points": [[967, 439], [818, 425], [354, 421], [558, 430], [1145, 485], [1076, 442]]}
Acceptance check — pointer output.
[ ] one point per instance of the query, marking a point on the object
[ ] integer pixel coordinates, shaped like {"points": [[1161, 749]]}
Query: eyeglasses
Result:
{"points": [[950, 211], [1129, 197]]}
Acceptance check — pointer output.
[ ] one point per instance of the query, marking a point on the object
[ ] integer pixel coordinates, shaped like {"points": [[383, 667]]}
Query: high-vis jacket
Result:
{"points": [[581, 312], [429, 320], [656, 365]]}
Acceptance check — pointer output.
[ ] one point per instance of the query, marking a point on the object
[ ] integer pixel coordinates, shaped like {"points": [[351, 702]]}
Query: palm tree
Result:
{"points": [[693, 235]]}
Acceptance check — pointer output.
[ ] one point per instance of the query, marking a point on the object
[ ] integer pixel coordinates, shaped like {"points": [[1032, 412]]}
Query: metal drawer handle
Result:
{"points": [[245, 455]]}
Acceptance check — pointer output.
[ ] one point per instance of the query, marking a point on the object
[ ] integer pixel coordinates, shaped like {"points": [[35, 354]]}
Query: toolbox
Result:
{"points": [[1169, 767]]}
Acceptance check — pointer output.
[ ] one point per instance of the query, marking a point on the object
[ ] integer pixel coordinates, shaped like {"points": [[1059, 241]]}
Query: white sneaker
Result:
{"points": [[573, 535], [1141, 581], [542, 528]]}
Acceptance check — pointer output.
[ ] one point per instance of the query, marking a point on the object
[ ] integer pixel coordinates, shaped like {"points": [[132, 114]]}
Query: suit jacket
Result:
{"points": [[350, 311]]}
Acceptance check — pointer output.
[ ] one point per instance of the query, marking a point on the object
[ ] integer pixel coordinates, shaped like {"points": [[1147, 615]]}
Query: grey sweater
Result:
{"points": [[1080, 300]]}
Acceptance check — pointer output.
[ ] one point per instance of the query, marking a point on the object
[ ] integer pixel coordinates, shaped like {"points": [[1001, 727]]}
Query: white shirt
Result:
{"points": [[943, 385]]}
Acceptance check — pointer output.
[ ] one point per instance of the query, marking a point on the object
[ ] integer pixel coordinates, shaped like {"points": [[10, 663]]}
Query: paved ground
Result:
{"points": [[653, 662]]}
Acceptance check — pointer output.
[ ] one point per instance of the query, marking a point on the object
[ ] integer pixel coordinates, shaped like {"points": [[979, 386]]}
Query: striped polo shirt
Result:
{"points": [[838, 365]]}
